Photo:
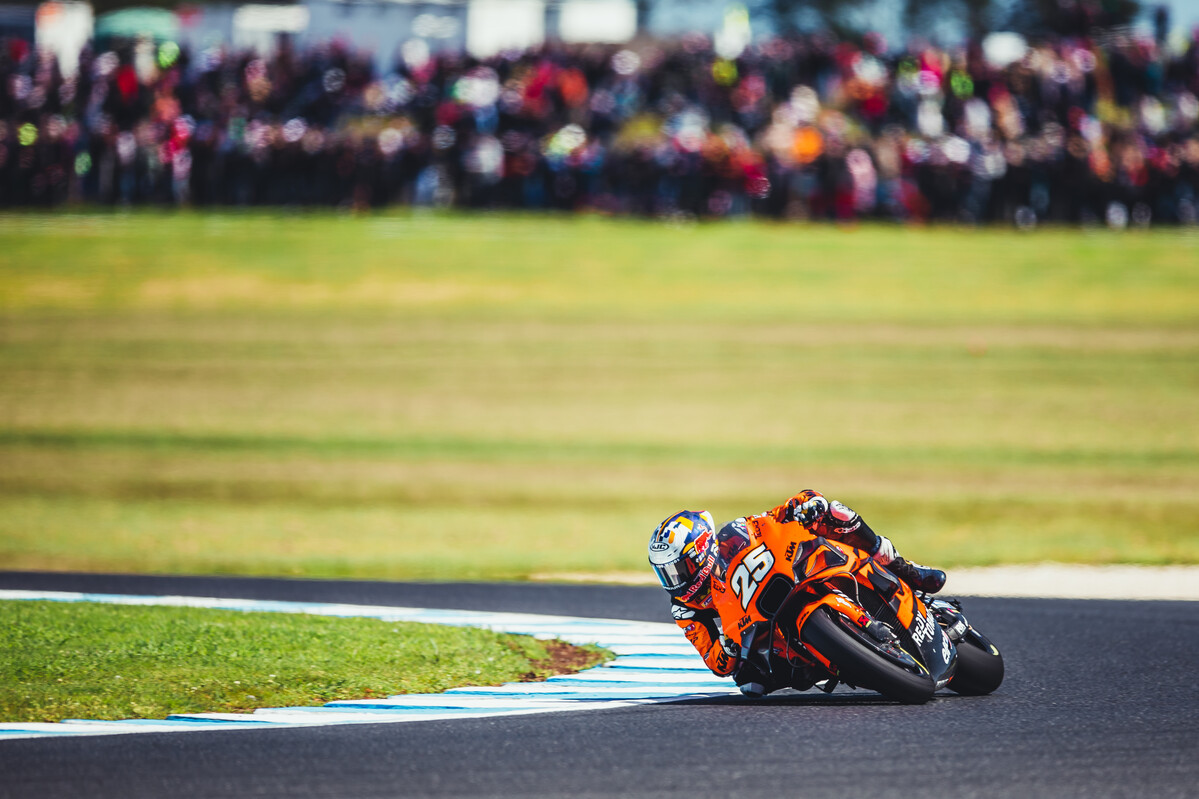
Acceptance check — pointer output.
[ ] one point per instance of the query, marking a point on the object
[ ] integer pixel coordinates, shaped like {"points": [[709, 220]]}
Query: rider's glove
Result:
{"points": [[808, 511], [733, 653]]}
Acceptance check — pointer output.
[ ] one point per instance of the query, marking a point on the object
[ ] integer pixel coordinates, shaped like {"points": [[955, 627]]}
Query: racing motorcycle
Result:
{"points": [[815, 612]]}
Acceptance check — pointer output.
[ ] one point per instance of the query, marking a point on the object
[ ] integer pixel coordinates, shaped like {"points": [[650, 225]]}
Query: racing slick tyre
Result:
{"points": [[980, 667], [862, 665]]}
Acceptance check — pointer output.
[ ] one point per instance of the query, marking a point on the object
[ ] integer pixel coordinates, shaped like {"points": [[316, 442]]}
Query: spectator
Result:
{"points": [[1075, 131]]}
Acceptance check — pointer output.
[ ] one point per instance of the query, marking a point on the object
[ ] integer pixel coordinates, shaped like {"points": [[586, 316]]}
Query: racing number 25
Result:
{"points": [[754, 566]]}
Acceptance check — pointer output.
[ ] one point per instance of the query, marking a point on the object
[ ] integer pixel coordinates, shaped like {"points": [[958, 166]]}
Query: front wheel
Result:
{"points": [[858, 663], [980, 667]]}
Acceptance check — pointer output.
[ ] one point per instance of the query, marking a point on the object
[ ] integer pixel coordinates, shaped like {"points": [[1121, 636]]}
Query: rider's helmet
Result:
{"points": [[682, 551]]}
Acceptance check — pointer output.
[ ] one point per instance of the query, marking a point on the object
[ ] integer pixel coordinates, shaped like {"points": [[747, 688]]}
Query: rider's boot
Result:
{"points": [[922, 578]]}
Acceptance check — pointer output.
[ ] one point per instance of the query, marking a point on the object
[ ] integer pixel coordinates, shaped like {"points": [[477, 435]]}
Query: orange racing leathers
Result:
{"points": [[697, 615]]}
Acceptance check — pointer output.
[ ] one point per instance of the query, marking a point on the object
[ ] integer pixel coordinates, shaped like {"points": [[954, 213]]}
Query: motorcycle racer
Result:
{"points": [[689, 555]]}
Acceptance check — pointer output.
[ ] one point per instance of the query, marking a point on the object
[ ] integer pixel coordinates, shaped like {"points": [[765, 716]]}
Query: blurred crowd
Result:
{"points": [[1071, 131]]}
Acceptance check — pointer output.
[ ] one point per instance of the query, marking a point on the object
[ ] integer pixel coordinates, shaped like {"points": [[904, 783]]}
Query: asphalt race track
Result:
{"points": [[1101, 700]]}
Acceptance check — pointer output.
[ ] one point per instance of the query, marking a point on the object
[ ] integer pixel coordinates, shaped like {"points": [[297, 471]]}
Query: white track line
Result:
{"points": [[653, 664]]}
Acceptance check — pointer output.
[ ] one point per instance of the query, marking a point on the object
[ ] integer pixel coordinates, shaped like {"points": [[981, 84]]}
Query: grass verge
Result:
{"points": [[415, 396], [101, 661]]}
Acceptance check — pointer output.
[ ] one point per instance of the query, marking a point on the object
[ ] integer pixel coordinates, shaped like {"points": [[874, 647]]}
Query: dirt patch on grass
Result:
{"points": [[564, 658]]}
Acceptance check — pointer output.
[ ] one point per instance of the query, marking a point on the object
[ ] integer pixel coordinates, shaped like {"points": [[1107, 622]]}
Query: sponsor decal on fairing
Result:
{"points": [[922, 628]]}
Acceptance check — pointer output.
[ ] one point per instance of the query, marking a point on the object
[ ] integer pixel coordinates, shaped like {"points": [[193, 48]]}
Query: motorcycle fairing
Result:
{"points": [[819, 574]]}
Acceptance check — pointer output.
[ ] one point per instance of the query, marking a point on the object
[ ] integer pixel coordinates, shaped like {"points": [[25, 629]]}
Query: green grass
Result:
{"points": [[437, 397], [100, 661]]}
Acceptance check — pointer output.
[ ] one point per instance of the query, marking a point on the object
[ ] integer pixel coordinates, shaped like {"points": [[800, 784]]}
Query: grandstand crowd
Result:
{"points": [[1072, 131]]}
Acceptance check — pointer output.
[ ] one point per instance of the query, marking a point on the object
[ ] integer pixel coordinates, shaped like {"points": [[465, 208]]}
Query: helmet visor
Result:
{"points": [[677, 575]]}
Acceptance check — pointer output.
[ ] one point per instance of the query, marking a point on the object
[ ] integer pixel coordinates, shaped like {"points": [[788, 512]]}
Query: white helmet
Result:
{"points": [[682, 551]]}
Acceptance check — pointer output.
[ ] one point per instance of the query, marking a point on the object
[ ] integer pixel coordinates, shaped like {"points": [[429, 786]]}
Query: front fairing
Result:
{"points": [[753, 573]]}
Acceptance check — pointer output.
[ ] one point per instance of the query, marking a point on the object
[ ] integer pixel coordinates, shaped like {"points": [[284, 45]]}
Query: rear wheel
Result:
{"points": [[860, 664], [980, 667]]}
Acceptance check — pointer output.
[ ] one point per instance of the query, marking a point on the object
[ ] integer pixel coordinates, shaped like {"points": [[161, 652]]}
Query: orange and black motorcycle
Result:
{"points": [[814, 612]]}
